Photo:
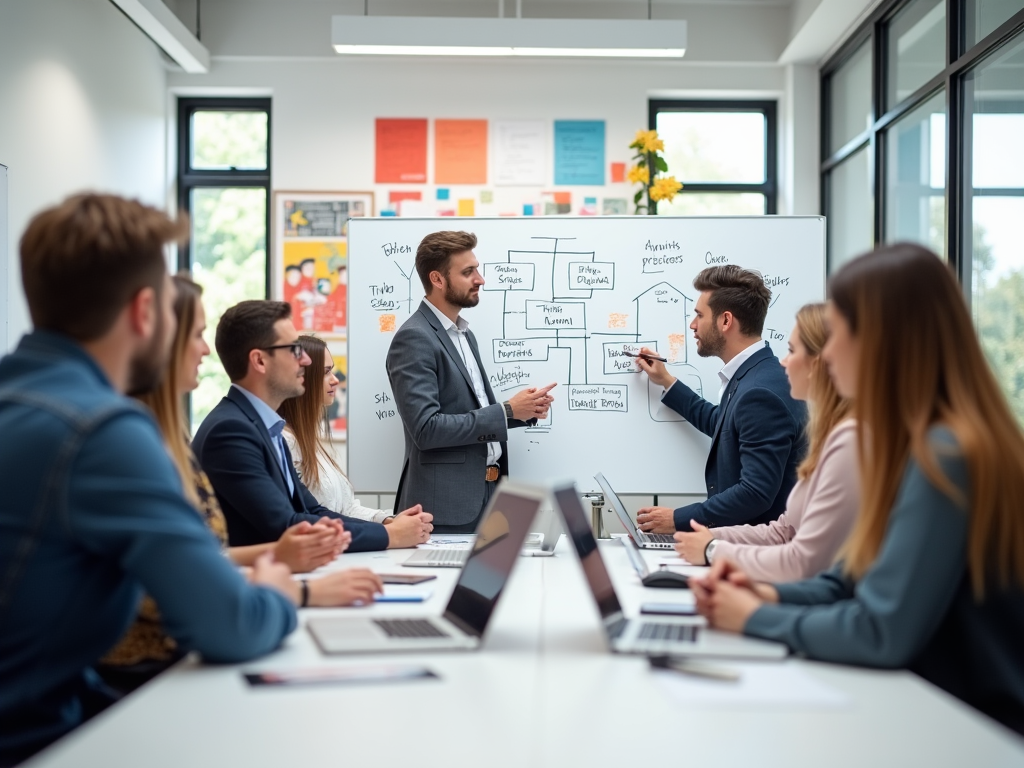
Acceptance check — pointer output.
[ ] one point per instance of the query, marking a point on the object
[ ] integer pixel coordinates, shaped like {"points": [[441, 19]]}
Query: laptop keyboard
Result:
{"points": [[677, 632], [409, 628], [456, 556], [659, 538], [615, 630]]}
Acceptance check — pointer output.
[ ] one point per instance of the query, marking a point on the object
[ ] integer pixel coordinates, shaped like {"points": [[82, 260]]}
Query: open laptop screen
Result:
{"points": [[617, 505], [582, 539], [499, 538]]}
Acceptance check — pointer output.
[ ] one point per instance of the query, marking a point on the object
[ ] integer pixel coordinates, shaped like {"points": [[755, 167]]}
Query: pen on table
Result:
{"points": [[645, 357], [695, 668]]}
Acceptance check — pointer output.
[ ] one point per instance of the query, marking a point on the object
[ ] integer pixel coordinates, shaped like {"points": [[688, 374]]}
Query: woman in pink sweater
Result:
{"points": [[822, 506]]}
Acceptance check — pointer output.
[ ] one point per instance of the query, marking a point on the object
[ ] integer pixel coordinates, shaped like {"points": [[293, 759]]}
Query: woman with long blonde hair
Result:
{"points": [[932, 576], [307, 435], [823, 504]]}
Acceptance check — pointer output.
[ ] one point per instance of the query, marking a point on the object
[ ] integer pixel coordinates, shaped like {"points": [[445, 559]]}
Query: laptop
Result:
{"points": [[643, 540], [681, 636], [506, 522], [542, 542]]}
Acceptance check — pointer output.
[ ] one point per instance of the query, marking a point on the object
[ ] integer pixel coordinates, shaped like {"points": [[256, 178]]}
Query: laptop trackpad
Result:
{"points": [[349, 630]]}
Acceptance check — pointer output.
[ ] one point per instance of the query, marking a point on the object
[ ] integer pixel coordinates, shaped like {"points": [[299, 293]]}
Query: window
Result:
{"points": [[224, 186], [941, 161], [722, 152], [994, 213]]}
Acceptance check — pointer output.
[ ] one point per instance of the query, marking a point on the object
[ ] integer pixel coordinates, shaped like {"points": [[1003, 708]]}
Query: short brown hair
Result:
{"points": [[436, 250], [84, 260], [739, 291], [244, 327]]}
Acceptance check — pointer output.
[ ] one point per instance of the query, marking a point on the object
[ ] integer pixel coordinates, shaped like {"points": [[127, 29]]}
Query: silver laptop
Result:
{"points": [[502, 531], [643, 540], [683, 636], [542, 542]]}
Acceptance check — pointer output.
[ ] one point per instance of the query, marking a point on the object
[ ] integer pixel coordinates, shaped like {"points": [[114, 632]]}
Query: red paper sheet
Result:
{"points": [[401, 151]]}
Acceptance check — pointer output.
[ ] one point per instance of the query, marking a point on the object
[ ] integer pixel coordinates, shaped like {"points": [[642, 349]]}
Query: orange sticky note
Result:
{"points": [[467, 207], [397, 196], [460, 152], [387, 323], [618, 172], [563, 198], [401, 151]]}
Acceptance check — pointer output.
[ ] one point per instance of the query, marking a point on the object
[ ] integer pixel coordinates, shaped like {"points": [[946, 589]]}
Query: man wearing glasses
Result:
{"points": [[242, 450]]}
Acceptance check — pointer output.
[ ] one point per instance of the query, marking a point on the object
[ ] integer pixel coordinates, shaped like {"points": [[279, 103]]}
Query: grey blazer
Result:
{"points": [[446, 430]]}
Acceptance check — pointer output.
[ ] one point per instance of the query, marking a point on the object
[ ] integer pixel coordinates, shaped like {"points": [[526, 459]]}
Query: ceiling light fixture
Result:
{"points": [[438, 36]]}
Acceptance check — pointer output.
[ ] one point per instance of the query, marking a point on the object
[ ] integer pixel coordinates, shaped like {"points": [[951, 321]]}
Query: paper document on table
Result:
{"points": [[457, 541], [760, 683]]}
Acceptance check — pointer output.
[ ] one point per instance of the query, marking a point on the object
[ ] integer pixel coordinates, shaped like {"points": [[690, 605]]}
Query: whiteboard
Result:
{"points": [[564, 297]]}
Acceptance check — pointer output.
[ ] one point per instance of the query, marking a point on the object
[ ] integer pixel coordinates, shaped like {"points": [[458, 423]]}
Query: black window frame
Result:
{"points": [[769, 188], [960, 60], [190, 178]]}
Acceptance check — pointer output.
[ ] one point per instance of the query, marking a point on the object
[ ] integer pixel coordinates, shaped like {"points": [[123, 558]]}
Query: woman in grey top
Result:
{"points": [[932, 576]]}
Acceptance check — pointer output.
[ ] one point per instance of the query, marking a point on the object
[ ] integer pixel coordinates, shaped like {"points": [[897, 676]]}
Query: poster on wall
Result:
{"points": [[311, 254], [400, 151]]}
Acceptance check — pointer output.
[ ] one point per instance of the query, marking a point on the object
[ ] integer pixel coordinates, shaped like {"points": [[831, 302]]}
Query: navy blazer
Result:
{"points": [[757, 441], [235, 450]]}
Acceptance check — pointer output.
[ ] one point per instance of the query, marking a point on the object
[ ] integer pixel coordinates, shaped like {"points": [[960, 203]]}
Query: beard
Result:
{"points": [[711, 344], [147, 369], [464, 300]]}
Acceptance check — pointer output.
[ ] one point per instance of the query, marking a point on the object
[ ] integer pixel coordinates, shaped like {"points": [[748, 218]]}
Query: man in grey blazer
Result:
{"points": [[455, 430]]}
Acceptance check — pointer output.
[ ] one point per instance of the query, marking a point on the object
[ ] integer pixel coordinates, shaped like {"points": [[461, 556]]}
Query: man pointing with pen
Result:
{"points": [[756, 430], [455, 430]]}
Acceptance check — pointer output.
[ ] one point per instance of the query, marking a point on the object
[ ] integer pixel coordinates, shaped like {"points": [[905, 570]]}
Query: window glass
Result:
{"points": [[229, 259], [223, 140], [851, 209], [850, 98], [995, 111], [719, 147], [916, 176], [981, 17], [916, 43], [714, 204]]}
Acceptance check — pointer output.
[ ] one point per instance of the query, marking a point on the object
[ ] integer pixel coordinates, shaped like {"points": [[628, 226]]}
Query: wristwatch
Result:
{"points": [[508, 410], [709, 551]]}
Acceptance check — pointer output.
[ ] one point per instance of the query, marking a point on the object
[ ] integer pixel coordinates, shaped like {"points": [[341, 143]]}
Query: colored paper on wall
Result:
{"points": [[519, 156], [389, 213], [316, 284], [397, 196], [401, 151], [615, 206], [579, 152], [527, 210], [486, 196], [467, 207], [443, 193], [563, 198], [460, 151], [589, 207], [618, 172]]}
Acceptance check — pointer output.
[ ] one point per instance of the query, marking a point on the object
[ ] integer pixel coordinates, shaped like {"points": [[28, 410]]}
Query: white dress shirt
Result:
{"points": [[458, 332], [729, 370]]}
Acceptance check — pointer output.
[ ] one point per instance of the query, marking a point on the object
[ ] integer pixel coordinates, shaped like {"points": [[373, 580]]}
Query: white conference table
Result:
{"points": [[543, 692]]}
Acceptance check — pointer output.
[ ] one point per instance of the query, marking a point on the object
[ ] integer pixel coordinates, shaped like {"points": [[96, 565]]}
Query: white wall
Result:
{"points": [[324, 109], [82, 106]]}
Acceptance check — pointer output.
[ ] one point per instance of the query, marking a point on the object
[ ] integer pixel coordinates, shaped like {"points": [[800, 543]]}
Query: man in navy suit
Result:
{"points": [[757, 430], [240, 446]]}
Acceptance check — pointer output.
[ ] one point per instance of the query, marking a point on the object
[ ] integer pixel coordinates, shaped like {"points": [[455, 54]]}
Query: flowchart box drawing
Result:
{"points": [[507, 350], [615, 359], [599, 397], [556, 315], [592, 275], [509, 276]]}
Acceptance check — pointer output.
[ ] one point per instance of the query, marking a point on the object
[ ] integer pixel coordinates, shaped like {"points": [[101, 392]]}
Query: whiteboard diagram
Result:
{"points": [[564, 300]]}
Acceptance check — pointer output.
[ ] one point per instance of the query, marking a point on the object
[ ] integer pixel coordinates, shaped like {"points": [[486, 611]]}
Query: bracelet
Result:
{"points": [[305, 593]]}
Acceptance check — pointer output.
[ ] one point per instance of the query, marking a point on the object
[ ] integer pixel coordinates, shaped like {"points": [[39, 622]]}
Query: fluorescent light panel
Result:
{"points": [[434, 36]]}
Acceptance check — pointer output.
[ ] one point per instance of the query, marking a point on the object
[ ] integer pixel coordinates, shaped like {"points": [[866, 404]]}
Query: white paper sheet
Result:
{"points": [[519, 153], [761, 683]]}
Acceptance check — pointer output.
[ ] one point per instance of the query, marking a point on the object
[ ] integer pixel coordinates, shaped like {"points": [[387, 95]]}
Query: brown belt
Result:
{"points": [[492, 473]]}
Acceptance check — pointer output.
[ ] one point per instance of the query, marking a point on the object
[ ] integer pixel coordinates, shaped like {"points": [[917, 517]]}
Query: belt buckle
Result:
{"points": [[492, 474]]}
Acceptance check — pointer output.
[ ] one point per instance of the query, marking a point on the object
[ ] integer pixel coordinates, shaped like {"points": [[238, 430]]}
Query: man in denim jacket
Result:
{"points": [[93, 508]]}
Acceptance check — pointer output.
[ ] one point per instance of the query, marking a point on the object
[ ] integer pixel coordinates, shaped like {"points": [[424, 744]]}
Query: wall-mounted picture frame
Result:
{"points": [[311, 256]]}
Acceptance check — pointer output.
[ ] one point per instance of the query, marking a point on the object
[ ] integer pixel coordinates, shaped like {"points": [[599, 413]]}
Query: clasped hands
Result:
{"points": [[727, 597], [532, 403]]}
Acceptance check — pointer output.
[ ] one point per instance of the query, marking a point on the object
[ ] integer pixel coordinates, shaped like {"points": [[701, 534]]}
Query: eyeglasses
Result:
{"points": [[296, 349]]}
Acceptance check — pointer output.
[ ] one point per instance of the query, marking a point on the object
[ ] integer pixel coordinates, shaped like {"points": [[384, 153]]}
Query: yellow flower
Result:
{"points": [[638, 175], [648, 141], [665, 188]]}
